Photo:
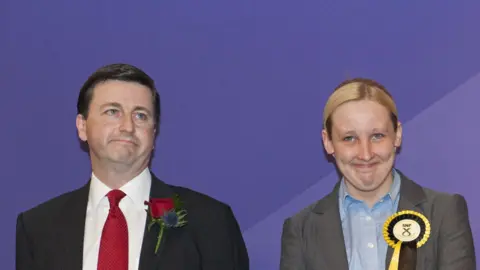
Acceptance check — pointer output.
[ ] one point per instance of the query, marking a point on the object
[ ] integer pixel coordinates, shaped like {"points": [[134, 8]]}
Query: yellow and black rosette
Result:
{"points": [[405, 229]]}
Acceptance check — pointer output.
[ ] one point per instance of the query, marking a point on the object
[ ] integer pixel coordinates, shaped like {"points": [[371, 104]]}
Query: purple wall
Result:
{"points": [[243, 85]]}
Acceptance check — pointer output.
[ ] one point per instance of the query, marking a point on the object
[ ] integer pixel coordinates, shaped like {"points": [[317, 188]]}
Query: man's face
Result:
{"points": [[363, 142], [120, 127]]}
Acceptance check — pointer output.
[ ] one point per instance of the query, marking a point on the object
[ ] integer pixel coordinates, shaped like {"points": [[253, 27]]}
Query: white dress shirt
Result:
{"points": [[132, 205]]}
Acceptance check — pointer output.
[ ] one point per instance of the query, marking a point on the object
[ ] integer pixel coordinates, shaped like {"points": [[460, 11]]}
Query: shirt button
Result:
{"points": [[368, 218], [370, 245]]}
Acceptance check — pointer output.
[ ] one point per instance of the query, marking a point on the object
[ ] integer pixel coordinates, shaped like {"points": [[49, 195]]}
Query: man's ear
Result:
{"points": [[81, 123]]}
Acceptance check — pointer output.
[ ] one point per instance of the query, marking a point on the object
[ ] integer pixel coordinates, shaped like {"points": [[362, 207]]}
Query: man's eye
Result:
{"points": [[111, 111], [349, 138], [141, 116], [378, 136]]}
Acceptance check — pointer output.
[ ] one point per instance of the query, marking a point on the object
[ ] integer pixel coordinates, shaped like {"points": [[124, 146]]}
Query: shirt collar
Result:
{"points": [[137, 190], [346, 199]]}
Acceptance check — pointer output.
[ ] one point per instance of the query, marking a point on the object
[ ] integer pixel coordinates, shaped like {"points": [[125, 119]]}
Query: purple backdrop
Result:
{"points": [[243, 85]]}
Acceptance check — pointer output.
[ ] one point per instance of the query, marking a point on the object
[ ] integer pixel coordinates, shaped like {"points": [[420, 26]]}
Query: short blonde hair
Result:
{"points": [[358, 89]]}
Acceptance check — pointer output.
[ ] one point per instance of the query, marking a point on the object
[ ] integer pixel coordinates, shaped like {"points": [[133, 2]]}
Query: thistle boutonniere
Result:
{"points": [[166, 213]]}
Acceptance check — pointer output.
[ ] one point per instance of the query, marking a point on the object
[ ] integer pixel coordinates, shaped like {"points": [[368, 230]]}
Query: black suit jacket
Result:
{"points": [[50, 236]]}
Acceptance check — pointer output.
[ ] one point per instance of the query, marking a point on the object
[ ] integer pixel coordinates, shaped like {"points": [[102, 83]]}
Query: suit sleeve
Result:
{"points": [[291, 249], [23, 253], [239, 250], [456, 248], [225, 249]]}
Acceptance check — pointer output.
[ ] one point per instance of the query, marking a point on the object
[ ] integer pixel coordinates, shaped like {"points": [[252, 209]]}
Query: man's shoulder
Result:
{"points": [[204, 211], [51, 206], [197, 200]]}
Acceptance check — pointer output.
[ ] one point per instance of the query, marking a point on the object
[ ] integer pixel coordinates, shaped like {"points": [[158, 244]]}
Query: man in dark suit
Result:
{"points": [[105, 224], [354, 227]]}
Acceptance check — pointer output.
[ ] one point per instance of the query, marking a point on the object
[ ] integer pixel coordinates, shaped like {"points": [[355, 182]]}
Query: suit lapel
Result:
{"points": [[326, 232], [411, 198], [148, 258], [71, 229]]}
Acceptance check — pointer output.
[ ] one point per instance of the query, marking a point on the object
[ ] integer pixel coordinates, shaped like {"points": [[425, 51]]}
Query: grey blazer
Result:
{"points": [[313, 238]]}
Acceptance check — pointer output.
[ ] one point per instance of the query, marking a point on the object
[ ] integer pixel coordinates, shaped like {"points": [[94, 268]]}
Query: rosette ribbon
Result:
{"points": [[405, 232]]}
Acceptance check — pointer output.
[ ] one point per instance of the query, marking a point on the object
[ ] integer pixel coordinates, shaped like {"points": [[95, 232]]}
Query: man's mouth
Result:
{"points": [[124, 141]]}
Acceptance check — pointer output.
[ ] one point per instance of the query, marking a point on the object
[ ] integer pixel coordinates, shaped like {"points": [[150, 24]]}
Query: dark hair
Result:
{"points": [[120, 72]]}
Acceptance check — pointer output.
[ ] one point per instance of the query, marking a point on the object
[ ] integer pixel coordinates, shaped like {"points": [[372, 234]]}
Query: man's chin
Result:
{"points": [[121, 159]]}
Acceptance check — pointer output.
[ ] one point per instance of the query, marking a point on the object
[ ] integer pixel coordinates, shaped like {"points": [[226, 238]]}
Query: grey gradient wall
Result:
{"points": [[243, 84]]}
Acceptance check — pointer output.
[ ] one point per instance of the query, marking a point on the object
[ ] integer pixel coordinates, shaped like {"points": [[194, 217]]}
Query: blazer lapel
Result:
{"points": [[326, 232], [71, 229], [148, 258], [411, 198]]}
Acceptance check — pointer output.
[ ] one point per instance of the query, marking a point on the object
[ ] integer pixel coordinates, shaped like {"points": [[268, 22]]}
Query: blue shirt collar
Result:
{"points": [[345, 199]]}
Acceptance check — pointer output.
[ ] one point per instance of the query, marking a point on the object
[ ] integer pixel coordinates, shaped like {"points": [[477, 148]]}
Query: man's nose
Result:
{"points": [[127, 124]]}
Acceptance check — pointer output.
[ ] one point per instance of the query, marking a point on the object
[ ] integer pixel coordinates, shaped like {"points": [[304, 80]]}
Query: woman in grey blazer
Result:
{"points": [[375, 217]]}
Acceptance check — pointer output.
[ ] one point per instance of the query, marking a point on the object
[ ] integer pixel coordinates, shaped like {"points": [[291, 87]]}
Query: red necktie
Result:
{"points": [[113, 254]]}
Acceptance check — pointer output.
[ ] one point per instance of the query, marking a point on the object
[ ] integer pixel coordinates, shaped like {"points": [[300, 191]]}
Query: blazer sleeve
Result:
{"points": [[456, 247], [291, 247], [239, 249], [225, 249], [23, 248]]}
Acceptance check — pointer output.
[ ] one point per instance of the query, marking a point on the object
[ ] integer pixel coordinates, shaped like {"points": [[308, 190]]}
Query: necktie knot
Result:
{"points": [[115, 196]]}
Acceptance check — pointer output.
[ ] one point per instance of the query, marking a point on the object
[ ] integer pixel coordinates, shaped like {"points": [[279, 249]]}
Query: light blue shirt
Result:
{"points": [[362, 227]]}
